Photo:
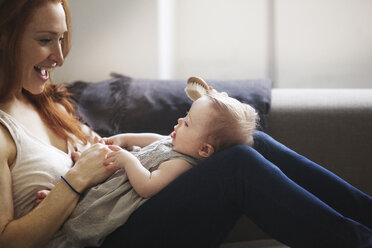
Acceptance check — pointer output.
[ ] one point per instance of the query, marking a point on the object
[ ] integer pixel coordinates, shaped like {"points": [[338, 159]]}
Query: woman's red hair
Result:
{"points": [[15, 15]]}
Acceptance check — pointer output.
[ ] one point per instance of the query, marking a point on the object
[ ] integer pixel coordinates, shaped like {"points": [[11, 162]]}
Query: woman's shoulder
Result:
{"points": [[8, 150]]}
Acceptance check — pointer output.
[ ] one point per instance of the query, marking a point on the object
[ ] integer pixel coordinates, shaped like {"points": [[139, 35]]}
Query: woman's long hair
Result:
{"points": [[14, 15]]}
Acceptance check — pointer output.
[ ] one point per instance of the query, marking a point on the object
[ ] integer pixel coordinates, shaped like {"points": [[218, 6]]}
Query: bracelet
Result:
{"points": [[64, 179]]}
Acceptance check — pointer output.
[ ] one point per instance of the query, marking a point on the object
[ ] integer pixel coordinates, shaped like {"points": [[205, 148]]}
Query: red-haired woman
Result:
{"points": [[37, 125]]}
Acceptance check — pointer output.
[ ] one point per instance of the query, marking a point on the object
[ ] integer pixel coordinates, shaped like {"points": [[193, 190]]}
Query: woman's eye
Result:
{"points": [[61, 39], [45, 41]]}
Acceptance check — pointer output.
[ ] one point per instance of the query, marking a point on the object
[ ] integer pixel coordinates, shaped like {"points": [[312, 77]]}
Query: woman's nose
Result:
{"points": [[57, 55]]}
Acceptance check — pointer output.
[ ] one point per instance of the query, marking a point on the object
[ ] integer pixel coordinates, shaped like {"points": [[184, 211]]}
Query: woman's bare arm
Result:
{"points": [[38, 226], [7, 157]]}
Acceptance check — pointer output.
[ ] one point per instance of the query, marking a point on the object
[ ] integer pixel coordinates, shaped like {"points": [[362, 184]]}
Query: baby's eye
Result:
{"points": [[186, 124]]}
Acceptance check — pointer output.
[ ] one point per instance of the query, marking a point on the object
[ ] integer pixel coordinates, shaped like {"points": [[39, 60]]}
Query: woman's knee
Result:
{"points": [[238, 154], [239, 159], [262, 141]]}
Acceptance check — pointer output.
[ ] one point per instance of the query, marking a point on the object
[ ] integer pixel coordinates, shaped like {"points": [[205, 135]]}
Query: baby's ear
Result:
{"points": [[206, 150]]}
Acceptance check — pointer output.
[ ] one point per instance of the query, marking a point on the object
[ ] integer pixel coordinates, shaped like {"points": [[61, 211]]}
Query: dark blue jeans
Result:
{"points": [[288, 196]]}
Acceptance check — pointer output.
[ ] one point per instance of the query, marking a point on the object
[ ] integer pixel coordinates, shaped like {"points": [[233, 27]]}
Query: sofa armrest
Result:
{"points": [[332, 127]]}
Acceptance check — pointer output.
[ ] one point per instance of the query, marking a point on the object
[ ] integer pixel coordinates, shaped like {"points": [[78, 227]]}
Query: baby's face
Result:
{"points": [[189, 133]]}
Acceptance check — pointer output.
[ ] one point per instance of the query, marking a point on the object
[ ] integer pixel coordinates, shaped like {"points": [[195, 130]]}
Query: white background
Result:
{"points": [[296, 43]]}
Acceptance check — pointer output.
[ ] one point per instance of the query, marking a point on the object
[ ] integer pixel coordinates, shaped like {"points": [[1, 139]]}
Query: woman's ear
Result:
{"points": [[206, 150]]}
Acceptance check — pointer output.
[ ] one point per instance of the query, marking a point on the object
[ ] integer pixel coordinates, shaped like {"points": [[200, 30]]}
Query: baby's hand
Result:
{"points": [[40, 195], [119, 157], [117, 140]]}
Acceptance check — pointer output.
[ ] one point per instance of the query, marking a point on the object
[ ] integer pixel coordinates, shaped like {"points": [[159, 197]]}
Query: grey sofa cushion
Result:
{"points": [[332, 127], [124, 104]]}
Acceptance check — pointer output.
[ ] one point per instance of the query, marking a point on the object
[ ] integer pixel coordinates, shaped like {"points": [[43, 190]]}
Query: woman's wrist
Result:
{"points": [[76, 181], [71, 187]]}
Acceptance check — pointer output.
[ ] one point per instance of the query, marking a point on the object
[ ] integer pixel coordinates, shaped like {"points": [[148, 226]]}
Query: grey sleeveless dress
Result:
{"points": [[107, 206]]}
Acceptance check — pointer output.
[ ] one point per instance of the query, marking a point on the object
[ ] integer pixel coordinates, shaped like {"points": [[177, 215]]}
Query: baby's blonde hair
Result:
{"points": [[233, 122]]}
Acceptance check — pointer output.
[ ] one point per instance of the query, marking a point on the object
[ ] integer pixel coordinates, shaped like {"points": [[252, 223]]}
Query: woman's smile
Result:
{"points": [[42, 73]]}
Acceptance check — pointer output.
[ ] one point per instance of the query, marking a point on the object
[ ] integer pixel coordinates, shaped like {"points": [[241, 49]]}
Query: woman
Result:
{"points": [[34, 40], [270, 184]]}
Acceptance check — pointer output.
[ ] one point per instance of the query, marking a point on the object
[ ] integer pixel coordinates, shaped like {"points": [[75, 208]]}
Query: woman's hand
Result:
{"points": [[89, 169]]}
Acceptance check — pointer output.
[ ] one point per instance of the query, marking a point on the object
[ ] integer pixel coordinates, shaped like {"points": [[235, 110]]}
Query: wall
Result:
{"points": [[111, 36], [323, 43], [221, 38], [307, 43]]}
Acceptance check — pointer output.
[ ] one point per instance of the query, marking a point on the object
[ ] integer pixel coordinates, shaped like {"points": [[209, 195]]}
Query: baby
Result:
{"points": [[213, 123], [151, 161]]}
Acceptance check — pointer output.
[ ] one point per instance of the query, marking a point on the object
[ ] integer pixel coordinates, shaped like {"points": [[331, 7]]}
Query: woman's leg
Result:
{"points": [[200, 207], [328, 187]]}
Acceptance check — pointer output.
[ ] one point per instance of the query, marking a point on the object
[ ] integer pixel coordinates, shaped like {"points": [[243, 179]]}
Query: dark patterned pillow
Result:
{"points": [[124, 104]]}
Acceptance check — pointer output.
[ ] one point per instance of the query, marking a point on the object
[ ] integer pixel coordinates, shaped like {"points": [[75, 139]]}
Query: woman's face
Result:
{"points": [[41, 49]]}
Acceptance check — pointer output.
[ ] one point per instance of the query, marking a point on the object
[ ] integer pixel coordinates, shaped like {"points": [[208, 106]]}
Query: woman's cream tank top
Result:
{"points": [[38, 165]]}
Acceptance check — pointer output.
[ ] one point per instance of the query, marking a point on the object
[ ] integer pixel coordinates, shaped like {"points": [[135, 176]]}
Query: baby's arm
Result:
{"points": [[126, 140], [144, 182]]}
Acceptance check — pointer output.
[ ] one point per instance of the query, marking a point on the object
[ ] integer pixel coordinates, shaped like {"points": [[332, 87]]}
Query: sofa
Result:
{"points": [[332, 127]]}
